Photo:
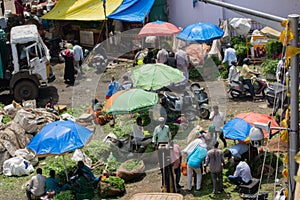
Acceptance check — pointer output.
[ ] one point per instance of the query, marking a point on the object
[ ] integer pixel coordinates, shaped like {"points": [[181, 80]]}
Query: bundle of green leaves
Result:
{"points": [[132, 164], [115, 182]]}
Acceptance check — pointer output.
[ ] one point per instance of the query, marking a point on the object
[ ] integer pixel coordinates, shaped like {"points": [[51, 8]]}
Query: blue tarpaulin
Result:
{"points": [[237, 129], [132, 10]]}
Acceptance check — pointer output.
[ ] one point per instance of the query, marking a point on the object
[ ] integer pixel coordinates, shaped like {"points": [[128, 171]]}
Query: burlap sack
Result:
{"points": [[134, 174]]}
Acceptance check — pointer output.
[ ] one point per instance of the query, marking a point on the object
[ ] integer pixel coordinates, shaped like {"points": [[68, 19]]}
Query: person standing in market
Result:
{"points": [[229, 55], [78, 56], [182, 63], [215, 160], [177, 159], [161, 133], [113, 87], [36, 186], [218, 120], [69, 73], [162, 56]]}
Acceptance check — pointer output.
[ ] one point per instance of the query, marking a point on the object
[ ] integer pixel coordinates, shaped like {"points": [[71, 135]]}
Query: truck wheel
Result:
{"points": [[25, 90]]}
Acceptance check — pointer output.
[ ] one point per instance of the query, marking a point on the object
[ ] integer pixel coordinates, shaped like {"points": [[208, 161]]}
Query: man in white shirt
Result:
{"points": [[242, 174], [138, 134], [36, 185], [218, 120], [78, 56]]}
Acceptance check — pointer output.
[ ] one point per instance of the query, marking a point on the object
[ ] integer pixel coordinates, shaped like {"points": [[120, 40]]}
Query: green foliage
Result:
{"points": [[123, 128], [145, 116], [239, 44], [149, 149], [6, 119], [56, 163], [173, 128], [64, 195], [236, 40], [98, 150], [115, 182], [195, 74], [2, 105], [224, 71], [273, 48], [113, 165], [270, 65], [132, 164]]}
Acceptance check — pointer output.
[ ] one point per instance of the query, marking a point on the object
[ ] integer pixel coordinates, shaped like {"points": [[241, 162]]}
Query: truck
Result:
{"points": [[24, 62]]}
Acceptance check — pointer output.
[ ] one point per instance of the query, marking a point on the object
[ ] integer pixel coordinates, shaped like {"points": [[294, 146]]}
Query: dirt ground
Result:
{"points": [[93, 85]]}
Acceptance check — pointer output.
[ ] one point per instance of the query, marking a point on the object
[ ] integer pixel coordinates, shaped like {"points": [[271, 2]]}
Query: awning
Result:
{"points": [[82, 10], [132, 10]]}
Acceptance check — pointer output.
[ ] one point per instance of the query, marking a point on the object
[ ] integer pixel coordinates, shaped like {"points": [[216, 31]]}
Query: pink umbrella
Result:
{"points": [[158, 28]]}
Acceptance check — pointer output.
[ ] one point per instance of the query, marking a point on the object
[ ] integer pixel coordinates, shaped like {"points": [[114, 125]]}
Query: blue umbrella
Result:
{"points": [[59, 137], [200, 33], [237, 129]]}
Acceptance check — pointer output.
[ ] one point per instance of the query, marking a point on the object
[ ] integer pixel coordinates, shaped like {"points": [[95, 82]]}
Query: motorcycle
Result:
{"points": [[237, 89], [201, 98], [276, 94], [179, 105]]}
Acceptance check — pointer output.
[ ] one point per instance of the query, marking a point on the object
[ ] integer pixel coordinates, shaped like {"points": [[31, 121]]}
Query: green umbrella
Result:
{"points": [[133, 100], [156, 76]]}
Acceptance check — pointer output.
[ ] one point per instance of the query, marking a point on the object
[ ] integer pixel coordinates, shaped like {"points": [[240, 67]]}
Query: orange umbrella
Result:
{"points": [[110, 101]]}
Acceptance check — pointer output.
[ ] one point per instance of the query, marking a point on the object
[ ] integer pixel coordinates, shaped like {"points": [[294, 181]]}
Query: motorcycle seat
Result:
{"points": [[172, 97], [198, 90], [202, 101]]}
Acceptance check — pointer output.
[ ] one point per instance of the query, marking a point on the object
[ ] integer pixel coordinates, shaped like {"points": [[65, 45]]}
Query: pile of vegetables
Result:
{"points": [[270, 66], [132, 164], [6, 119], [115, 182], [56, 163], [64, 195], [273, 48], [98, 150]]}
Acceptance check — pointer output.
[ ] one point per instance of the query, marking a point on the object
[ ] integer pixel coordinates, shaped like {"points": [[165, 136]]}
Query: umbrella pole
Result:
{"points": [[65, 167]]}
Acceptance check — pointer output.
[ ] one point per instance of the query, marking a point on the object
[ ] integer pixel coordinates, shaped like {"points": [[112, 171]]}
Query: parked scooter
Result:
{"points": [[201, 98], [237, 89], [179, 105], [274, 90]]}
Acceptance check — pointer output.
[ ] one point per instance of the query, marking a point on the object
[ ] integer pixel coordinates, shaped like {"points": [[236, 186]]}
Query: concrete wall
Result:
{"points": [[182, 13]]}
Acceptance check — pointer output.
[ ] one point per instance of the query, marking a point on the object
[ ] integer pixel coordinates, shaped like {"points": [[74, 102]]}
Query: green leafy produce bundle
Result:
{"points": [[270, 66], [56, 163], [64, 195], [6, 119], [115, 182], [98, 150], [132, 164]]}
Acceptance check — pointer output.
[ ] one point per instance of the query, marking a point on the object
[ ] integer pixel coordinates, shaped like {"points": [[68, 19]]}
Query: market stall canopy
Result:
{"points": [[158, 28], [132, 101], [59, 137], [82, 10], [132, 10], [270, 32], [239, 127], [155, 76], [200, 33]]}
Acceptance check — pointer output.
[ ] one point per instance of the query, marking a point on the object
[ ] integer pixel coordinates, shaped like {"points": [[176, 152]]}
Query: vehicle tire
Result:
{"points": [[194, 86], [25, 90], [203, 113], [234, 94], [190, 115], [270, 100]]}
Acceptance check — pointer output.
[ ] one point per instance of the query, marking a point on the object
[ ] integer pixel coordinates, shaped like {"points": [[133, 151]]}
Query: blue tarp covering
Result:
{"points": [[132, 10], [236, 129]]}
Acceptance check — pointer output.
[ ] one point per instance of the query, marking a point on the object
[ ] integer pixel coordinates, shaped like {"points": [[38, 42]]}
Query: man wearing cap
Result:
{"points": [[161, 132]]}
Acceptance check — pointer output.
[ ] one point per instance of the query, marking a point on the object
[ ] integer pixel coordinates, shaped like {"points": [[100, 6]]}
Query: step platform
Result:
{"points": [[251, 188]]}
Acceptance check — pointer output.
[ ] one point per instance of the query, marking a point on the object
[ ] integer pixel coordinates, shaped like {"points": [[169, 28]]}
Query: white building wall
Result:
{"points": [[182, 13]]}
